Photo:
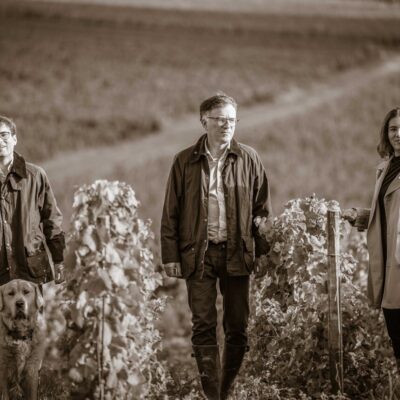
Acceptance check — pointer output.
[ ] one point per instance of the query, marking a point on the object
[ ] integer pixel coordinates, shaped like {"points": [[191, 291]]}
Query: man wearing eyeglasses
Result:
{"points": [[215, 190], [30, 220]]}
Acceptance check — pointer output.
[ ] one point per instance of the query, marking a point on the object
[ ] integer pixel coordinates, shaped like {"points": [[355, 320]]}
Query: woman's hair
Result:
{"points": [[385, 149]]}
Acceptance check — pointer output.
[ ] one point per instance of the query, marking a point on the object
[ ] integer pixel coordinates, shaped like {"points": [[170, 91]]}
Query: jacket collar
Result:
{"points": [[19, 166], [380, 175], [17, 172], [199, 149]]}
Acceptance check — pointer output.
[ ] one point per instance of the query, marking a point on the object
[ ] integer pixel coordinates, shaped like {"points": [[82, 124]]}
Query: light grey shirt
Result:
{"points": [[216, 198]]}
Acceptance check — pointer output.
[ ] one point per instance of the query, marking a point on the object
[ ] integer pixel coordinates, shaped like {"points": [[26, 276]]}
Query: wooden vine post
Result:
{"points": [[103, 229], [335, 335]]}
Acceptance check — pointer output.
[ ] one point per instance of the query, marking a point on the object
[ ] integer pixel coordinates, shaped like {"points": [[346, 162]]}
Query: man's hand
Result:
{"points": [[173, 270], [59, 273], [349, 214], [260, 268]]}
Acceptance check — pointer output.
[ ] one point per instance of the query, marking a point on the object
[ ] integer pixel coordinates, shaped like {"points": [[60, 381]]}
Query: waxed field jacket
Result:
{"points": [[30, 222], [184, 222]]}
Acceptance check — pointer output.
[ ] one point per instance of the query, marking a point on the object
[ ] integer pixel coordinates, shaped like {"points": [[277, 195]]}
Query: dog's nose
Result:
{"points": [[19, 303]]}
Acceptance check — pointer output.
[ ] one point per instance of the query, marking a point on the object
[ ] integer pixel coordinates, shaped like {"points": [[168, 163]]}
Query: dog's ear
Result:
{"points": [[39, 298]]}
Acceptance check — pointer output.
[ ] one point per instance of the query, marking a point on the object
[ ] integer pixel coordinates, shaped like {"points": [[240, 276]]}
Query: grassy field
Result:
{"points": [[89, 75]]}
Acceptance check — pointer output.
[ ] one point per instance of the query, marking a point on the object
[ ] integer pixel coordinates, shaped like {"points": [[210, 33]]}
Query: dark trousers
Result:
{"points": [[202, 296], [392, 318]]}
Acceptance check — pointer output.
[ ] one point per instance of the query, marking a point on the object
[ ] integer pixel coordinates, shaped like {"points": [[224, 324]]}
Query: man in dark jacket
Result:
{"points": [[30, 221], [215, 190]]}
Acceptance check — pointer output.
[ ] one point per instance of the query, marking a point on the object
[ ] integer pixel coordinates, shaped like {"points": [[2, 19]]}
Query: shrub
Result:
{"points": [[289, 340], [111, 309]]}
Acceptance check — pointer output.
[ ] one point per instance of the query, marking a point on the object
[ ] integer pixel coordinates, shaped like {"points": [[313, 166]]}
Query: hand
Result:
{"points": [[173, 270], [260, 268], [59, 276], [349, 214]]}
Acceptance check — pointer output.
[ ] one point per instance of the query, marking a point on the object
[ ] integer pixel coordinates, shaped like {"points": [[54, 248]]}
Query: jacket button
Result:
{"points": [[205, 219], [192, 248], [205, 241]]}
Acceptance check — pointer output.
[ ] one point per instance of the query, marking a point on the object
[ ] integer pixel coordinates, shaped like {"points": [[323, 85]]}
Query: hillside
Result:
{"points": [[75, 77]]}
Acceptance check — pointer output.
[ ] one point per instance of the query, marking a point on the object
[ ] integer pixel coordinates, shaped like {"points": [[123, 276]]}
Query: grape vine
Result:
{"points": [[289, 342]]}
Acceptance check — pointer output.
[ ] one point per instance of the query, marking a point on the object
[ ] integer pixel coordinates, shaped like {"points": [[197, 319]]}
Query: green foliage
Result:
{"points": [[109, 303], [289, 351]]}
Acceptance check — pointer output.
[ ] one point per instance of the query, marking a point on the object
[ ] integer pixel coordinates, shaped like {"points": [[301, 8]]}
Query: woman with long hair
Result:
{"points": [[382, 222]]}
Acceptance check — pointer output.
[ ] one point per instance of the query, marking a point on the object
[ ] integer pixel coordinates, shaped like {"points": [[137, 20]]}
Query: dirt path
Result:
{"points": [[90, 164]]}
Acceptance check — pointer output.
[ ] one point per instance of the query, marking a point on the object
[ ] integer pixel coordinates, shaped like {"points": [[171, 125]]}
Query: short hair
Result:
{"points": [[10, 123], [220, 99], [385, 149]]}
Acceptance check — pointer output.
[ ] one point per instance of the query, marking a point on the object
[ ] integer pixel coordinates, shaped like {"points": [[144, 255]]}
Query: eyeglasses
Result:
{"points": [[221, 121], [5, 135]]}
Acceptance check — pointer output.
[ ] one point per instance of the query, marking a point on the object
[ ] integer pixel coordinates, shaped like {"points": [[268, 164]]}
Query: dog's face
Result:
{"points": [[20, 299]]}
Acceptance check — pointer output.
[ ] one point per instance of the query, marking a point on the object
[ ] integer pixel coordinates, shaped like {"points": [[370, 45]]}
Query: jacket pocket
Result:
{"points": [[188, 257], [37, 262], [248, 252]]}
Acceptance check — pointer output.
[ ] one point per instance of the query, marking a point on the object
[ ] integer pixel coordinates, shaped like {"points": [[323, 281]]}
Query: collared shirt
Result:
{"points": [[216, 199]]}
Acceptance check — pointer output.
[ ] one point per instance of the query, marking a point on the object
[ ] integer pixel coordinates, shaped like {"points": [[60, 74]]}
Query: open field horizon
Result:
{"points": [[344, 8]]}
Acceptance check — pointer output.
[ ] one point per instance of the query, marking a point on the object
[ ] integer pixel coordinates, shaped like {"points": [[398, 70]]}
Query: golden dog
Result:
{"points": [[22, 339]]}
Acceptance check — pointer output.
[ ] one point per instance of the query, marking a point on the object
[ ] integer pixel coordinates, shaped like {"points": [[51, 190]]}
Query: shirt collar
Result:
{"points": [[199, 150], [209, 155]]}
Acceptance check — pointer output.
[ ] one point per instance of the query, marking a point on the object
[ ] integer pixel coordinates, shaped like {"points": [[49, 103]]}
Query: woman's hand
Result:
{"points": [[349, 214]]}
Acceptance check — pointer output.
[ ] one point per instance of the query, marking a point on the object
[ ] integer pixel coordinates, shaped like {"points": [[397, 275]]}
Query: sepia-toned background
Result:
{"points": [[111, 89]]}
